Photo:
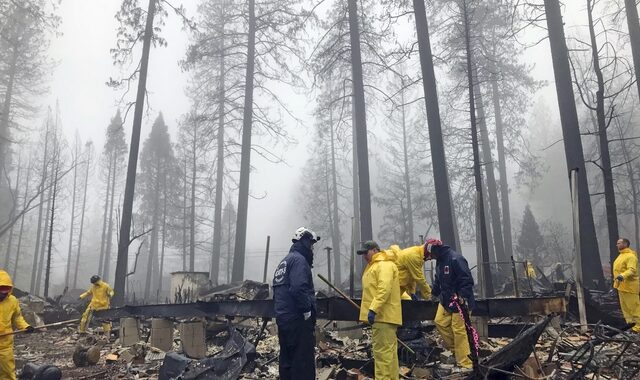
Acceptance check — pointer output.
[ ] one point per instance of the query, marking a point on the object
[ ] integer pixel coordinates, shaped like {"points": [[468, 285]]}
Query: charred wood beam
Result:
{"points": [[336, 309]]}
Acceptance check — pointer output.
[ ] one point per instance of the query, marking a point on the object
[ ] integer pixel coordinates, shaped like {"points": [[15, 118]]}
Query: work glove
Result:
{"points": [[306, 315], [29, 329], [620, 278], [414, 297], [371, 317]]}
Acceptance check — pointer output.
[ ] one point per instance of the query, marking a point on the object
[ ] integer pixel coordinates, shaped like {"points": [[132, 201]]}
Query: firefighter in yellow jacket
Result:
{"points": [[410, 262], [101, 294], [531, 271], [10, 317], [381, 308], [625, 274]]}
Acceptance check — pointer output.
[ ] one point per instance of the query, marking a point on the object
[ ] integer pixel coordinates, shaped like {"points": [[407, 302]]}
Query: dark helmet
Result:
{"points": [[95, 278]]}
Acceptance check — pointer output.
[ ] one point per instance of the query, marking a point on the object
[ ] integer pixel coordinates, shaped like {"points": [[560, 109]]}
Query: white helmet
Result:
{"points": [[300, 232]]}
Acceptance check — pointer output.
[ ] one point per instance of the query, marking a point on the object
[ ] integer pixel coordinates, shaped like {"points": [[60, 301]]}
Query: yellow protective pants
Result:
{"points": [[385, 351], [630, 305], [7, 363], [451, 328], [86, 319]]}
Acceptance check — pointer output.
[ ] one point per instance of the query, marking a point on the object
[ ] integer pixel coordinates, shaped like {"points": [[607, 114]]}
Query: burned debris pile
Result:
{"points": [[211, 345]]}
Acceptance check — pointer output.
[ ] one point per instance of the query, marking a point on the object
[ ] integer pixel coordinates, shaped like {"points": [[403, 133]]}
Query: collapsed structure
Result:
{"points": [[228, 333]]}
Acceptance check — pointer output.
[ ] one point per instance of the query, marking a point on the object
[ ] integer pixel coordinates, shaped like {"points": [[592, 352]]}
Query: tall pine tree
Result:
{"points": [[530, 241], [158, 174]]}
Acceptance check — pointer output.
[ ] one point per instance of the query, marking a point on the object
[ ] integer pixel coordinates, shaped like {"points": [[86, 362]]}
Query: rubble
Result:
{"points": [[38, 311], [237, 346], [245, 290], [546, 350]]}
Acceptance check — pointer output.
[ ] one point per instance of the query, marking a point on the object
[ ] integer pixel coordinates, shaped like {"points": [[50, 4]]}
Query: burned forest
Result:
{"points": [[319, 189]]}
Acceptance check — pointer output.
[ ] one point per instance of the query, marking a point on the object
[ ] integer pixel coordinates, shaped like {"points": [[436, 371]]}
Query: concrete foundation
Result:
{"points": [[129, 332], [192, 335], [162, 334]]}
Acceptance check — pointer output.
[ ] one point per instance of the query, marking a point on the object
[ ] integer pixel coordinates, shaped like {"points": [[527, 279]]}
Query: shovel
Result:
{"points": [[57, 324]]}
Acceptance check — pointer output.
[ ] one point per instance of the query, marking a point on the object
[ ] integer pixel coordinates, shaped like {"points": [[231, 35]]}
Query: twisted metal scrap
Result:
{"points": [[606, 353]]}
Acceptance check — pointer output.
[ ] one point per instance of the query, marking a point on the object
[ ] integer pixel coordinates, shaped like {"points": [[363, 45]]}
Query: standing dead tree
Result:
{"points": [[135, 26], [592, 268], [605, 83]]}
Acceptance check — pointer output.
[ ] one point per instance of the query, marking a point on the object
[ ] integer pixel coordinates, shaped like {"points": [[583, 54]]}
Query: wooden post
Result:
{"points": [[516, 286], [266, 260], [578, 257], [351, 261], [328, 249]]}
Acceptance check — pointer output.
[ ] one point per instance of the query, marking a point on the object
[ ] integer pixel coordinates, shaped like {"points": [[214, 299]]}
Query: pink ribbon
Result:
{"points": [[474, 334]]}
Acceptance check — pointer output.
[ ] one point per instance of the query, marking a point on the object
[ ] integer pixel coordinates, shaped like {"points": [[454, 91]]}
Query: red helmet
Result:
{"points": [[430, 243]]}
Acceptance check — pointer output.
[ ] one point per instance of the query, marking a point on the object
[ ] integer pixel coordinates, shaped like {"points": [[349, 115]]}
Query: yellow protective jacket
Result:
{"points": [[626, 264], [531, 272], [410, 262], [10, 314], [381, 289], [101, 294]]}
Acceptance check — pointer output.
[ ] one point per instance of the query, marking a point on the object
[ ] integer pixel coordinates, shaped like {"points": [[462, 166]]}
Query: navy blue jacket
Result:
{"points": [[293, 291], [452, 277]]}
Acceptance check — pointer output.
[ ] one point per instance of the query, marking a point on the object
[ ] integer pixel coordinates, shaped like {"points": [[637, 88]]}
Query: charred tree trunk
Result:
{"points": [[502, 165], [164, 237], [153, 246], [409, 233], [217, 218], [359, 261], [229, 253], [192, 221], [184, 215], [327, 190], [245, 160], [20, 233], [84, 207], [487, 220], [487, 157], [45, 238], [73, 217], [591, 263], [53, 215], [605, 157], [634, 34], [107, 252], [43, 184], [446, 216], [335, 235], [127, 207], [7, 257], [486, 279], [366, 229], [105, 218]]}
